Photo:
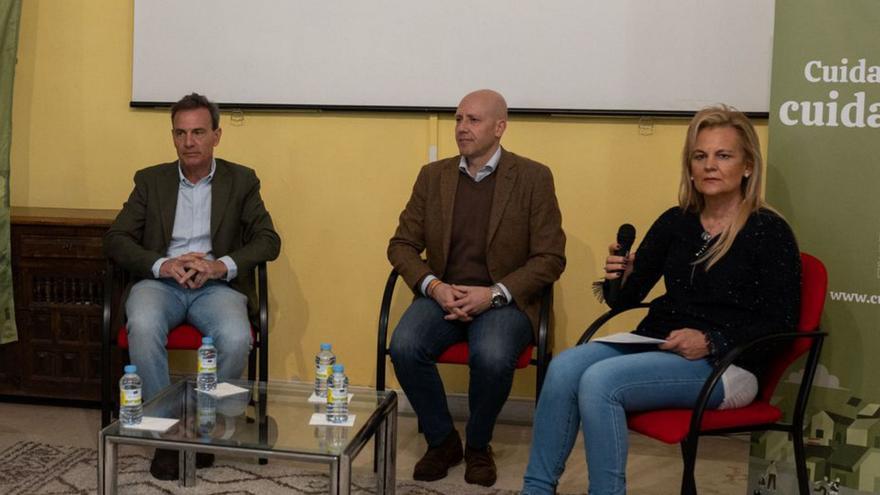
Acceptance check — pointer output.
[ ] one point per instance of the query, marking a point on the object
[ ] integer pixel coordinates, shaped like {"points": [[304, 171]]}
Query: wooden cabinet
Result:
{"points": [[58, 277]]}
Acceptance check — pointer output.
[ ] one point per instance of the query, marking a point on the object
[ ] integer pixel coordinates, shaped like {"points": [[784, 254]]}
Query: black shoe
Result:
{"points": [[437, 460], [204, 460], [479, 466], [165, 464]]}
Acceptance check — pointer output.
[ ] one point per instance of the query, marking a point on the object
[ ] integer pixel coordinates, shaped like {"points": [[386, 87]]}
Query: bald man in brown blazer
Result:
{"points": [[489, 224]]}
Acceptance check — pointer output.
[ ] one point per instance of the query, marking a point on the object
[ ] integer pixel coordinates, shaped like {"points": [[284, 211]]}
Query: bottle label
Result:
{"points": [[322, 371], [131, 397], [207, 365], [336, 395]]}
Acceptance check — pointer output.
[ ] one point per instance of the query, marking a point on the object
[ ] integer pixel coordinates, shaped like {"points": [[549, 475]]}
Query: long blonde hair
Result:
{"points": [[690, 199]]}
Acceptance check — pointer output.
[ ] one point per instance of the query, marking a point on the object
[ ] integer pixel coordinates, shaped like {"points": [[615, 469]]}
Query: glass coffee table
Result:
{"points": [[269, 421]]}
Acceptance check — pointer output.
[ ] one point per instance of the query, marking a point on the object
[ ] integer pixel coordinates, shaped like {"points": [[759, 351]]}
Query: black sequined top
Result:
{"points": [[753, 290]]}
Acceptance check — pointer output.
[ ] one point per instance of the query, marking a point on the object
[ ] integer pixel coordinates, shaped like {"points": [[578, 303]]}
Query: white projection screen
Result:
{"points": [[552, 56]]}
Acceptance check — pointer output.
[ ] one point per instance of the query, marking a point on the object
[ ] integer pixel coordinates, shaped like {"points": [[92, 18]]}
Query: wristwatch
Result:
{"points": [[498, 297]]}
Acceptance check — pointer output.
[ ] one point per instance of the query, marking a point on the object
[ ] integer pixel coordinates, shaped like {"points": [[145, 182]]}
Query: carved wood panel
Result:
{"points": [[58, 288]]}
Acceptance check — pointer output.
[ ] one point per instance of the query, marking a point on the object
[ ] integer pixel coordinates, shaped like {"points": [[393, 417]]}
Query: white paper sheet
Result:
{"points": [[628, 338], [320, 419], [224, 390], [149, 423]]}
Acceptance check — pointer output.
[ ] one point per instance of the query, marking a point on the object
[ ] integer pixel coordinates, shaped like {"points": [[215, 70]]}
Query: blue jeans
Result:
{"points": [[154, 307], [594, 385], [495, 340]]}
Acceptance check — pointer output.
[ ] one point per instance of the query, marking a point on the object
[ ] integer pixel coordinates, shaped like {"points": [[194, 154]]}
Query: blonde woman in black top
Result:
{"points": [[731, 267]]}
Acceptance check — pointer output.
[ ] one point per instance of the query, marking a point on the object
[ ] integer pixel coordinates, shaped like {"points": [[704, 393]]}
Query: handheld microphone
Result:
{"points": [[626, 235]]}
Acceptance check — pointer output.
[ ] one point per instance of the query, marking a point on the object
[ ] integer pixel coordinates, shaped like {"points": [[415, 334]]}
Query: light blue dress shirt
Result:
{"points": [[192, 223]]}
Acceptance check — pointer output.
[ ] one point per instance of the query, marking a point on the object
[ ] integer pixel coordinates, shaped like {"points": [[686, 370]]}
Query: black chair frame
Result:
{"points": [[794, 428], [114, 317], [544, 343]]}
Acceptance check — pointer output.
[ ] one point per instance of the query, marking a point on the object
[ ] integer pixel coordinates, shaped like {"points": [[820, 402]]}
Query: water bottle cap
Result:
{"points": [[207, 340], [338, 368], [325, 347], [130, 368]]}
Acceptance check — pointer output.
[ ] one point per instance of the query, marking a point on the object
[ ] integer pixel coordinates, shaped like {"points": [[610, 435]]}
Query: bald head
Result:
{"points": [[492, 101], [480, 121]]}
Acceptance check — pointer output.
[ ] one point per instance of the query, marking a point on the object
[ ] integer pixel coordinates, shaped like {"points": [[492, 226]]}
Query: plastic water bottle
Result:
{"points": [[337, 395], [206, 414], [324, 361], [131, 407], [321, 437], [337, 438], [207, 379]]}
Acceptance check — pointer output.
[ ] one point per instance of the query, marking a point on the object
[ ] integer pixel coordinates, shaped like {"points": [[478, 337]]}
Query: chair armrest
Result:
{"points": [[545, 339], [106, 324], [382, 334], [105, 345], [112, 317], [728, 359], [263, 294], [116, 288], [263, 299], [598, 322], [544, 343]]}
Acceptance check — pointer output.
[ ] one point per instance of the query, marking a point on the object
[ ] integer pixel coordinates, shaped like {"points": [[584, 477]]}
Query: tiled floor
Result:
{"points": [[654, 468]]}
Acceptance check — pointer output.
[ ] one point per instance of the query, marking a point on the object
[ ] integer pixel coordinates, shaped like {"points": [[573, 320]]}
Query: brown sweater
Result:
{"points": [[525, 245], [470, 225]]}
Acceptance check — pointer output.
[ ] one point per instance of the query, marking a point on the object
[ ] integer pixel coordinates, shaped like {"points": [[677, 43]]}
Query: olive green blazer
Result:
{"points": [[240, 225]]}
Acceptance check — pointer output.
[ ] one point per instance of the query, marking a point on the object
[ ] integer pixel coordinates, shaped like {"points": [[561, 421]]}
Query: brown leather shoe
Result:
{"points": [[480, 467], [437, 460]]}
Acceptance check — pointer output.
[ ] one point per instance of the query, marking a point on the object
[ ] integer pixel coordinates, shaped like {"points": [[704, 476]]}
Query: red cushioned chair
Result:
{"points": [[182, 337], [685, 426], [458, 353]]}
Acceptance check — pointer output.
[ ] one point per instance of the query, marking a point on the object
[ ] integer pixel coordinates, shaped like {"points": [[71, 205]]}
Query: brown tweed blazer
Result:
{"points": [[525, 248]]}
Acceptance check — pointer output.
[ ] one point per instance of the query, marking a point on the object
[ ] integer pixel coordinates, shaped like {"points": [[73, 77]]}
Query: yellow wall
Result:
{"points": [[334, 182]]}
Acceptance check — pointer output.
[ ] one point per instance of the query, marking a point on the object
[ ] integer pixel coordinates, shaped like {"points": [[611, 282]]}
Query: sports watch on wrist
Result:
{"points": [[498, 297]]}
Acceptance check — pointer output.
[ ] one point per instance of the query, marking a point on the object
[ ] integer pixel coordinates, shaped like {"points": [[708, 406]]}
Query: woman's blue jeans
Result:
{"points": [[593, 386]]}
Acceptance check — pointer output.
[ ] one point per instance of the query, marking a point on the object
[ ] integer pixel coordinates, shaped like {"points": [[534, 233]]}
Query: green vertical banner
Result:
{"points": [[10, 12], [824, 176]]}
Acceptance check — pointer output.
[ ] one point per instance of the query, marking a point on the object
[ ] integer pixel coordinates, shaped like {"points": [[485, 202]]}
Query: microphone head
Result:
{"points": [[626, 235]]}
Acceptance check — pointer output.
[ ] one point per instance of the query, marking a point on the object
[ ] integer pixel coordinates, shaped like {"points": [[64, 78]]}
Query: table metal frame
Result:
{"points": [[382, 425]]}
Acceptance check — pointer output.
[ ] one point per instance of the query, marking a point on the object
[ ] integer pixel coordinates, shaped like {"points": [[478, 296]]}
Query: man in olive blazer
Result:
{"points": [[192, 232], [489, 225]]}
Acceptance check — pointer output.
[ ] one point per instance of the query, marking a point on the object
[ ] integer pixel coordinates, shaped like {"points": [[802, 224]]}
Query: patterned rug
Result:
{"points": [[31, 468]]}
